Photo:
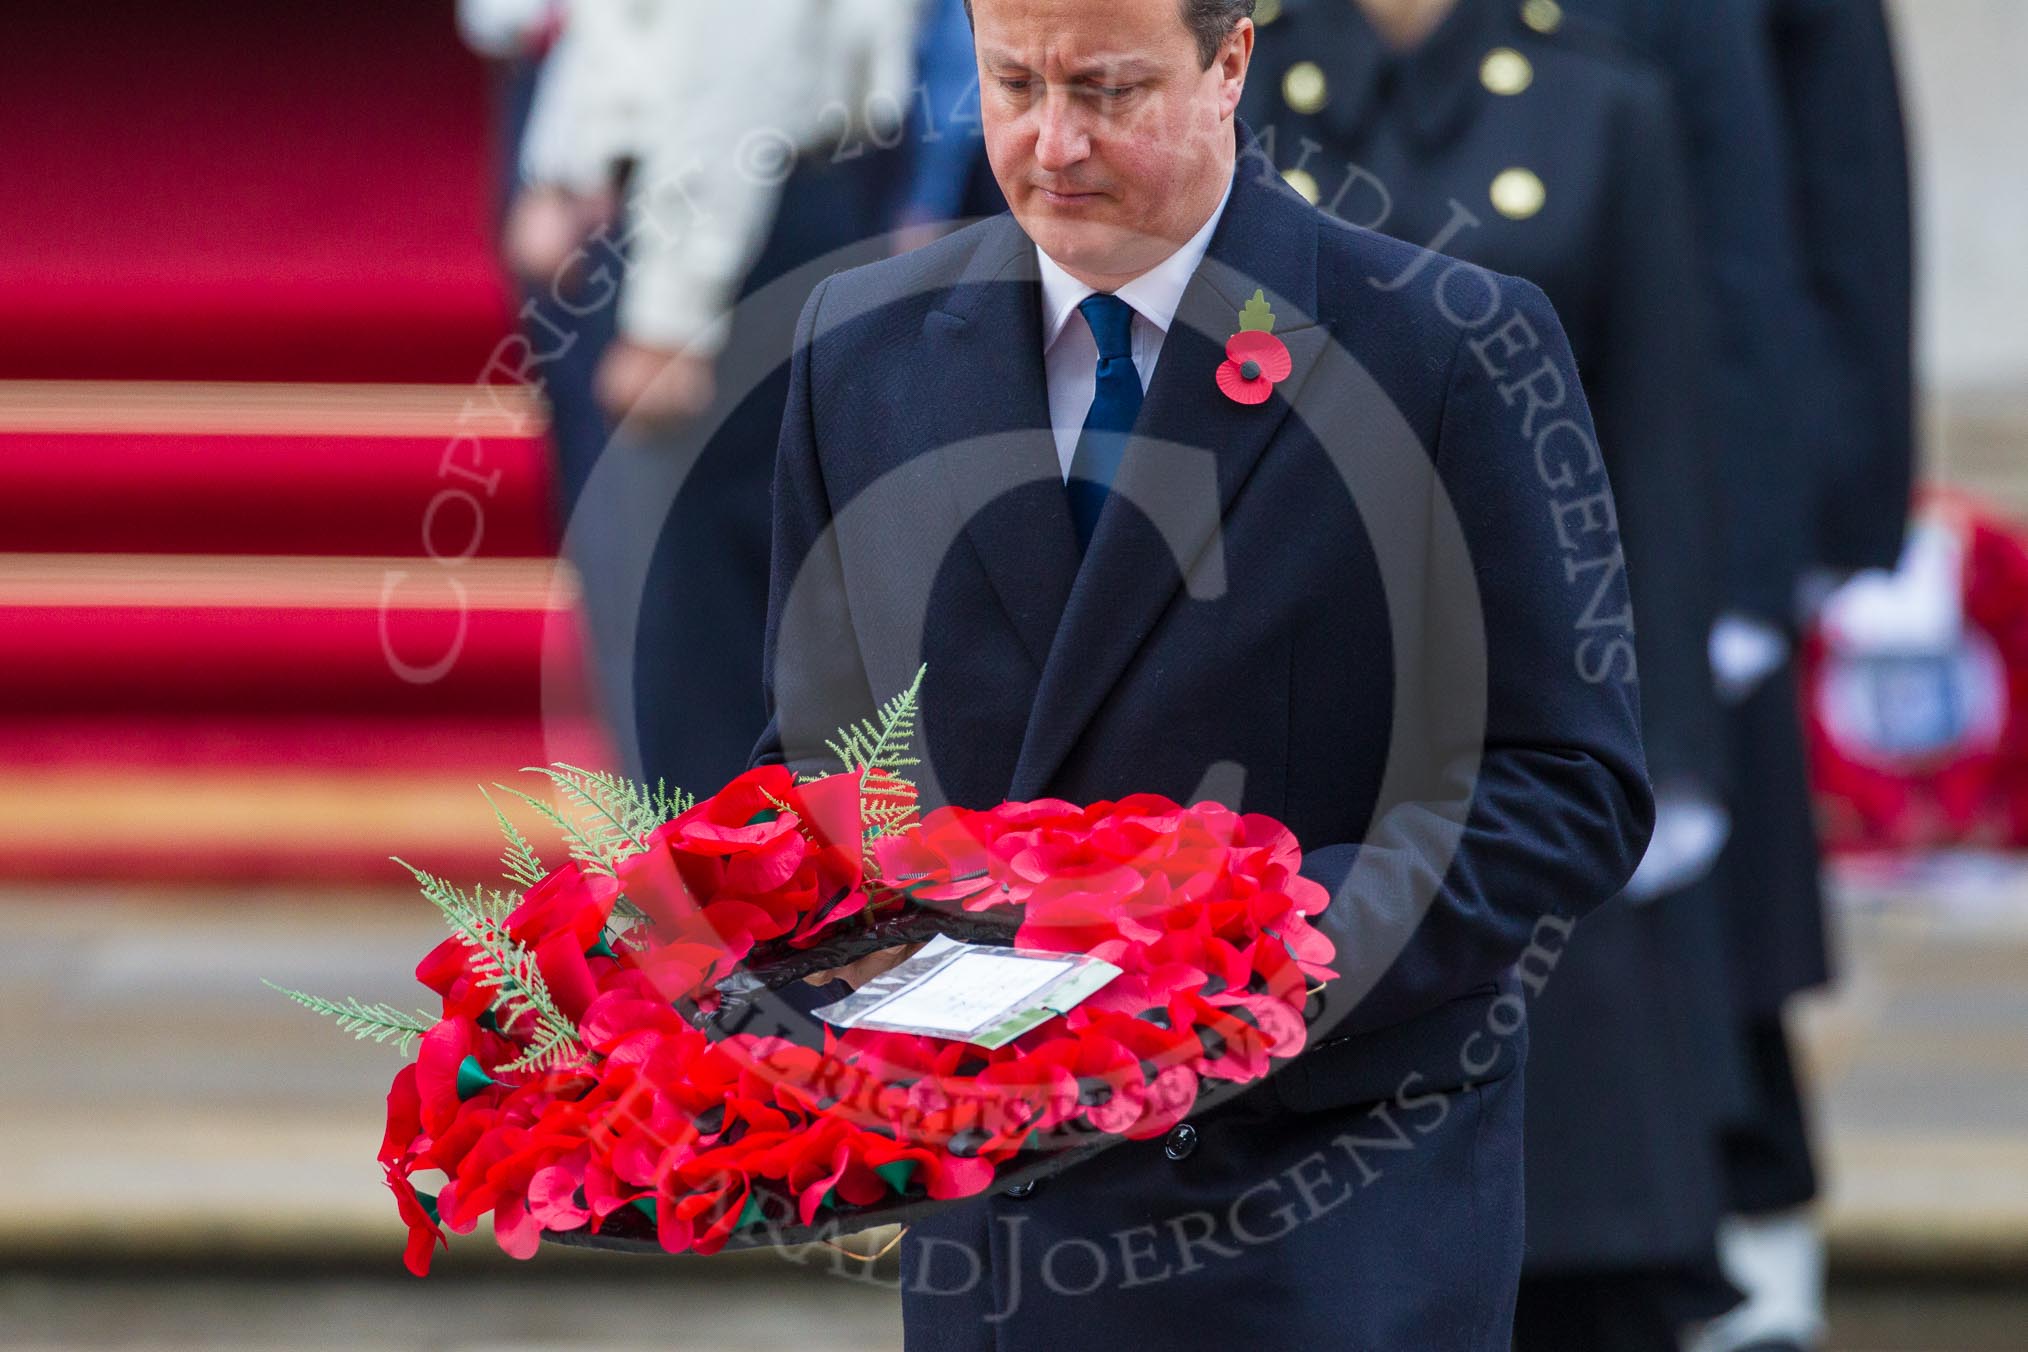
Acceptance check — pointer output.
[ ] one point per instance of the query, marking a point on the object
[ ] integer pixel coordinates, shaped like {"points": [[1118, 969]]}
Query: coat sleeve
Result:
{"points": [[811, 674], [1846, 134], [1526, 797], [792, 82]]}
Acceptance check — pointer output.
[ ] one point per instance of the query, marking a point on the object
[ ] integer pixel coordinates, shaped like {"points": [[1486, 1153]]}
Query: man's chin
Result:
{"points": [[1094, 247]]}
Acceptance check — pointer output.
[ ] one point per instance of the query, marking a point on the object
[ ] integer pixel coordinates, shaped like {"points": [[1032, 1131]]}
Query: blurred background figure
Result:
{"points": [[1531, 146], [307, 327], [665, 183], [1794, 134], [949, 181]]}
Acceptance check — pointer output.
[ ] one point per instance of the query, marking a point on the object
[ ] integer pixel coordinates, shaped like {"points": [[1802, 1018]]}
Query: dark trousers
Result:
{"points": [[1629, 1311], [1768, 1161]]}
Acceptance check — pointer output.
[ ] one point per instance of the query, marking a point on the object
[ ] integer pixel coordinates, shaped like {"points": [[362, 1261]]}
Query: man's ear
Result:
{"points": [[1234, 56]]}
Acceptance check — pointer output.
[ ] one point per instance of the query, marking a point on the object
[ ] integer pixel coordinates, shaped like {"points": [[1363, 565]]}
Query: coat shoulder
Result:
{"points": [[916, 281]]}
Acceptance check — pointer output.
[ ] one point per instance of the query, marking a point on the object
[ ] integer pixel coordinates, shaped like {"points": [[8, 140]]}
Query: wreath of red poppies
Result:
{"points": [[579, 1082]]}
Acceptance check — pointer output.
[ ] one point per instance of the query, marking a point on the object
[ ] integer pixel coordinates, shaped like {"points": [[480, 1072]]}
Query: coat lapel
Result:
{"points": [[984, 342], [1267, 239]]}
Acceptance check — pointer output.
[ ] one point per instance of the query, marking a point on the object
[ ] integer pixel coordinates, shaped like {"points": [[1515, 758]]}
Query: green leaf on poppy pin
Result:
{"points": [[1257, 316]]}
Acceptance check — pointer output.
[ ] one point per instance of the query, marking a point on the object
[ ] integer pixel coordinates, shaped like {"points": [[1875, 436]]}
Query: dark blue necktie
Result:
{"points": [[1115, 403]]}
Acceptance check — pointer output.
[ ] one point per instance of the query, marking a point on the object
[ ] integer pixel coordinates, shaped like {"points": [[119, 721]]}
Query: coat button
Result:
{"points": [[1304, 182], [1506, 72], [1304, 87], [1518, 194], [1182, 1140], [1022, 1189], [1544, 16]]}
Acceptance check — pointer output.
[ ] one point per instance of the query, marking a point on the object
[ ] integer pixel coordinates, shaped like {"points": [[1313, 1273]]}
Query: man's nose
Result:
{"points": [[1061, 138]]}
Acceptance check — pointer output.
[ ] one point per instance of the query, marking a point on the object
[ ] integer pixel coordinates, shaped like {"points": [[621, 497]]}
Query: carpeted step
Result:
{"points": [[275, 798], [91, 634], [243, 825], [166, 468]]}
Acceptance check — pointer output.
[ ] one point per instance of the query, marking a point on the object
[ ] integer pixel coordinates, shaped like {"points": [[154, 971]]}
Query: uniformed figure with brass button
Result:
{"points": [[1799, 166], [1518, 138]]}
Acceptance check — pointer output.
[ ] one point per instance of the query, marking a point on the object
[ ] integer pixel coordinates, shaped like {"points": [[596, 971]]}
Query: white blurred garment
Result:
{"points": [[713, 105], [505, 28]]}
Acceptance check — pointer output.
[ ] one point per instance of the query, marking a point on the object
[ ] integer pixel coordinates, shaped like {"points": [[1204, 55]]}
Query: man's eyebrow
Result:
{"points": [[1115, 69], [1105, 69]]}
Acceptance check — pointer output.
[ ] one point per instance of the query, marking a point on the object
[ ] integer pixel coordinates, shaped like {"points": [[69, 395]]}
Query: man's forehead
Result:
{"points": [[1080, 34]]}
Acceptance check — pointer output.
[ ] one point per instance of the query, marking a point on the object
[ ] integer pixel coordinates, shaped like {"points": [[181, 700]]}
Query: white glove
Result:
{"points": [[1744, 652], [1691, 828]]}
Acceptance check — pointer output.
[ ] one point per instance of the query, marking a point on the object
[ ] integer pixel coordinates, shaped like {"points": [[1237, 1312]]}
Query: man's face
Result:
{"points": [[1111, 140]]}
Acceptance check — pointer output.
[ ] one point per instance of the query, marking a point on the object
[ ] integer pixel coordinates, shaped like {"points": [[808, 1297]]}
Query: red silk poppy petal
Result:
{"points": [[518, 1233], [1241, 390], [404, 1116], [552, 1198], [568, 976], [951, 1178], [830, 807], [1169, 1099], [1265, 348]]}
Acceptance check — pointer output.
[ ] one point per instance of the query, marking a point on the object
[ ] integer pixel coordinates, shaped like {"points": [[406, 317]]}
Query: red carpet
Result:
{"points": [[180, 492], [245, 190], [282, 798], [247, 299], [175, 660]]}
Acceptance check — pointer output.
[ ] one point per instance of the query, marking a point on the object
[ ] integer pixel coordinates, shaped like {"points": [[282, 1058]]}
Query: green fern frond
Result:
{"points": [[380, 1023], [879, 751], [670, 804], [615, 816], [552, 1051], [882, 744], [494, 904], [519, 859], [632, 803], [585, 848], [466, 914], [499, 962], [606, 817]]}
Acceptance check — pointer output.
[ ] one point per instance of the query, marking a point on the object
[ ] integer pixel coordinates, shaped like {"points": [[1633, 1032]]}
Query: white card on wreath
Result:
{"points": [[970, 992]]}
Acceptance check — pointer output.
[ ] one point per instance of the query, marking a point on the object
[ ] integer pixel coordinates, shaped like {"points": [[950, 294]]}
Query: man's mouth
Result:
{"points": [[1066, 196]]}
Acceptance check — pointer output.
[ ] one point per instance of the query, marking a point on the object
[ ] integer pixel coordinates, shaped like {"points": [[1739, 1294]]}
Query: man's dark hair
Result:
{"points": [[1208, 20]]}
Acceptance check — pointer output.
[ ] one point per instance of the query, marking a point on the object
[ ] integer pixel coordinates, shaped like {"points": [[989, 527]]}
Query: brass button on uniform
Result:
{"points": [[1518, 194], [1181, 1142], [1505, 71], [1304, 182], [1304, 88], [1544, 16]]}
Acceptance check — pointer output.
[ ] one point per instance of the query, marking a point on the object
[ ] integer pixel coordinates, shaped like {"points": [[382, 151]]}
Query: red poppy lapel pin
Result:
{"points": [[1255, 360]]}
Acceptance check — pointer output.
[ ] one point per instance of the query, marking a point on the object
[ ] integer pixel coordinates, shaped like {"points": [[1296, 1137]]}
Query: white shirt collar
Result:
{"points": [[1154, 295]]}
